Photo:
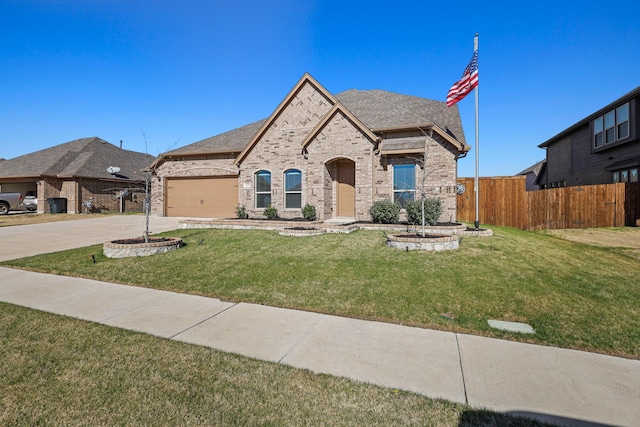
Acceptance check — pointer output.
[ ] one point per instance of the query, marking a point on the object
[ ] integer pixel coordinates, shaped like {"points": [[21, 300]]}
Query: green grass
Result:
{"points": [[574, 295], [60, 371]]}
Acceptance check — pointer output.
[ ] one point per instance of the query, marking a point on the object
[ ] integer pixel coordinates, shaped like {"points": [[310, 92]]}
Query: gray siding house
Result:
{"points": [[602, 148]]}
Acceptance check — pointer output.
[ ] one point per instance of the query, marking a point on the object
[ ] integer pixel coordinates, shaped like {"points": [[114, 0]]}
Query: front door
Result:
{"points": [[346, 189]]}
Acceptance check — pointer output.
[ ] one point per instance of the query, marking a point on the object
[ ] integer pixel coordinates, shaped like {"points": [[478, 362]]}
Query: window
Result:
{"points": [[263, 189], [627, 175], [597, 132], [624, 176], [404, 183], [622, 121], [611, 127], [293, 189]]}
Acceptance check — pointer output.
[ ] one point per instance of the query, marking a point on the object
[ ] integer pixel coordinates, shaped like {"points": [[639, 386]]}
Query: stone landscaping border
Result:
{"points": [[115, 249], [328, 227], [418, 243]]}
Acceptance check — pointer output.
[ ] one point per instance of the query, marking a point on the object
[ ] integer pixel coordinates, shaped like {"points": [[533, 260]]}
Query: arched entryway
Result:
{"points": [[339, 189]]}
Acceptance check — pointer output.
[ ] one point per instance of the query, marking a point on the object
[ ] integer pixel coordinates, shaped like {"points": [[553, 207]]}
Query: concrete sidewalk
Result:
{"points": [[562, 386]]}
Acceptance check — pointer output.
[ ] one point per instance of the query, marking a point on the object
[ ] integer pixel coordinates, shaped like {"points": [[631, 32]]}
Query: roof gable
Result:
{"points": [[305, 80], [376, 111], [339, 109]]}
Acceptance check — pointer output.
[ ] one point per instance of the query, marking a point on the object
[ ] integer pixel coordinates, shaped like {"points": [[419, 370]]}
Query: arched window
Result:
{"points": [[263, 189], [293, 189]]}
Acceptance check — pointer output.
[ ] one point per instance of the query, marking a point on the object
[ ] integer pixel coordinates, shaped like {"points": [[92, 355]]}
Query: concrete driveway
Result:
{"points": [[26, 240]]}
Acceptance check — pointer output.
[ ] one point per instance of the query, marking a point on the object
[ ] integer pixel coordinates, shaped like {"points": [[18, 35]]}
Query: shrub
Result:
{"points": [[385, 212], [309, 212], [271, 212], [241, 212], [432, 211]]}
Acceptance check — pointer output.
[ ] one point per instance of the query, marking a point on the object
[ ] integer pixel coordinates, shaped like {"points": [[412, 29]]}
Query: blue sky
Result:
{"points": [[160, 75]]}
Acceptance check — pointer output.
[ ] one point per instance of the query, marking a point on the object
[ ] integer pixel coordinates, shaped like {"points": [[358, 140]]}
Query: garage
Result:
{"points": [[205, 197]]}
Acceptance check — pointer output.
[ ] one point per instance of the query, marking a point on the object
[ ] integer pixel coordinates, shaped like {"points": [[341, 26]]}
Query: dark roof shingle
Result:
{"points": [[377, 109], [231, 141], [84, 157]]}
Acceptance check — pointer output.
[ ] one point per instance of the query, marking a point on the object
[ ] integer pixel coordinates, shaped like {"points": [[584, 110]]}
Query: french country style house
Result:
{"points": [[339, 153]]}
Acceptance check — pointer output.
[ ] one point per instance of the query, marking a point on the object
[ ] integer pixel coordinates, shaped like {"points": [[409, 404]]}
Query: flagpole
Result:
{"points": [[476, 186]]}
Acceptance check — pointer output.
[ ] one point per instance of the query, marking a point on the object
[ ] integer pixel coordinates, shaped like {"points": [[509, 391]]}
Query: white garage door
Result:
{"points": [[206, 197]]}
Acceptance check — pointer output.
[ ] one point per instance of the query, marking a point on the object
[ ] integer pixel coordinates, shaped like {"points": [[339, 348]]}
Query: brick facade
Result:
{"points": [[203, 165], [102, 194], [341, 140]]}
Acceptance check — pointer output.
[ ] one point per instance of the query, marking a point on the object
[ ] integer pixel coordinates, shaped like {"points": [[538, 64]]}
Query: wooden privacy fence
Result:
{"points": [[504, 201]]}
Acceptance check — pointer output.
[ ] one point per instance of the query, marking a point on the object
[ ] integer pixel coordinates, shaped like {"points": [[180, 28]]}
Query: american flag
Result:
{"points": [[467, 82]]}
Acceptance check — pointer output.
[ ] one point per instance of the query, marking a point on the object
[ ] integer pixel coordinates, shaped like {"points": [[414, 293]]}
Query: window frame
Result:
{"points": [[288, 192], [622, 120], [612, 127], [411, 191], [262, 192], [598, 132]]}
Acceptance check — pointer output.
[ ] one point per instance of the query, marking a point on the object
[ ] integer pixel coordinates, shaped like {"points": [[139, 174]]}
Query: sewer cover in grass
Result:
{"points": [[522, 328]]}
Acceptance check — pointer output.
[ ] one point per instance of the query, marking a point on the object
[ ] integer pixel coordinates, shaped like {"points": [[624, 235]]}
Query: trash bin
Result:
{"points": [[57, 205]]}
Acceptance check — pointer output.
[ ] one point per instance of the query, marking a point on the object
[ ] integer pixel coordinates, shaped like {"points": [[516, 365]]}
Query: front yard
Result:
{"points": [[575, 295], [55, 370]]}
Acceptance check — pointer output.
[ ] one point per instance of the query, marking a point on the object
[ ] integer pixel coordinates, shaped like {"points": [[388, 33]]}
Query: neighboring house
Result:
{"points": [[338, 153], [77, 171], [602, 148], [532, 173]]}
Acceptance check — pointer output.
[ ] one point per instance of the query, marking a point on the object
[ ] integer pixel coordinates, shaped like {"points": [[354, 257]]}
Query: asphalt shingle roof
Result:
{"points": [[377, 109], [234, 141], [85, 157]]}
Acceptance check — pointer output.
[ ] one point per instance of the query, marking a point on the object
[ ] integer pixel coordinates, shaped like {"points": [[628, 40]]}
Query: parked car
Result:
{"points": [[30, 201], [9, 201]]}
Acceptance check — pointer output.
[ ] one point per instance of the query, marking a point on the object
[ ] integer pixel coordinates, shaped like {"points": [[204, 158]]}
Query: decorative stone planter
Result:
{"points": [[137, 247], [415, 242], [300, 231], [478, 232]]}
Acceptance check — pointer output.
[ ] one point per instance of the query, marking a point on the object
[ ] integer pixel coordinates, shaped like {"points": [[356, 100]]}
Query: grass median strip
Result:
{"points": [[574, 295], [60, 371]]}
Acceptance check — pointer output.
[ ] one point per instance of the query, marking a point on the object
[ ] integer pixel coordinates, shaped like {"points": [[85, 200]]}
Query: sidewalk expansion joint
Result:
{"points": [[202, 321], [464, 382], [115, 316], [299, 340]]}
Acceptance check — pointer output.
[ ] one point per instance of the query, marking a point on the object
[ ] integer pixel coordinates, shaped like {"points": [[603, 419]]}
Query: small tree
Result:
{"points": [[430, 207]]}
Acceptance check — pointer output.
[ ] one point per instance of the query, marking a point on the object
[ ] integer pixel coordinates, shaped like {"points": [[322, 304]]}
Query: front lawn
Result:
{"points": [[574, 295], [60, 371]]}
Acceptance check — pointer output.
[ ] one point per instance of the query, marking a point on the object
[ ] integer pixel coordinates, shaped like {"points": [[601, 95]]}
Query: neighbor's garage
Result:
{"points": [[206, 197]]}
